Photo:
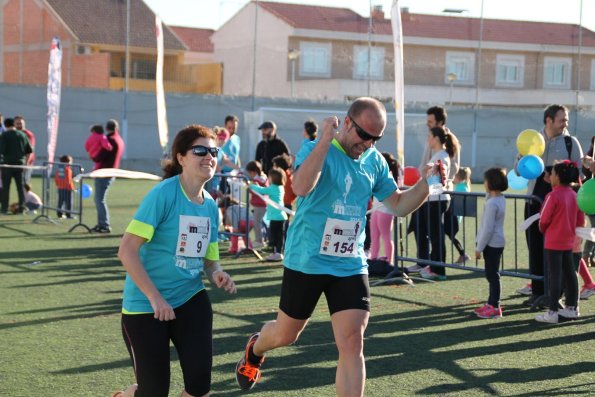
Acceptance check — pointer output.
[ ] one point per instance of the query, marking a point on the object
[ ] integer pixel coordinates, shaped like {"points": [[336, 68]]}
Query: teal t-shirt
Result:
{"points": [[275, 193], [231, 149], [327, 233], [180, 234]]}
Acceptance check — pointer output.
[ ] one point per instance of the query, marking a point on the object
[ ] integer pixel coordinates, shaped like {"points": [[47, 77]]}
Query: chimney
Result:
{"points": [[377, 13]]}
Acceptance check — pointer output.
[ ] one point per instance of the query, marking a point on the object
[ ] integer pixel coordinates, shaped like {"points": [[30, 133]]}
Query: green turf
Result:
{"points": [[60, 334]]}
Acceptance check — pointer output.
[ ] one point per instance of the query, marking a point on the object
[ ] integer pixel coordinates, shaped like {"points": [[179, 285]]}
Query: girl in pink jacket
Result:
{"points": [[559, 219]]}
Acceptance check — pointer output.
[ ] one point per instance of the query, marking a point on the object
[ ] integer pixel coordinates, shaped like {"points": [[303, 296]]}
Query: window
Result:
{"points": [[360, 62], [510, 70], [593, 74], [556, 72], [315, 59], [140, 69], [462, 64]]}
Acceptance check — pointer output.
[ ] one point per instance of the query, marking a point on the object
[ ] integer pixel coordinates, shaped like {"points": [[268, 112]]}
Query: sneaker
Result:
{"points": [[549, 317], [481, 308], [463, 258], [490, 312], [275, 257], [248, 374], [428, 274], [101, 229], [569, 312], [526, 290], [586, 292], [414, 269]]}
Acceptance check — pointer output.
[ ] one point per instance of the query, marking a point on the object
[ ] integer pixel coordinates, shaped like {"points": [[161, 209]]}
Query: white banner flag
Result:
{"points": [[159, 91], [399, 86], [53, 95]]}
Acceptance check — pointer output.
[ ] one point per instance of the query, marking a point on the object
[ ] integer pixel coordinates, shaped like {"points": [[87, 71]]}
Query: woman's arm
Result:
{"points": [[128, 254], [217, 276]]}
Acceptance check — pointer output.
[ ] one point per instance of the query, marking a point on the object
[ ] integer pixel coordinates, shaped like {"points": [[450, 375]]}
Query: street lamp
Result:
{"points": [[293, 55], [452, 77]]}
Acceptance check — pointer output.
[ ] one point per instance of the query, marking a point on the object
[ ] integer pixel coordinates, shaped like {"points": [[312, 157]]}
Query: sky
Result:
{"points": [[214, 13]]}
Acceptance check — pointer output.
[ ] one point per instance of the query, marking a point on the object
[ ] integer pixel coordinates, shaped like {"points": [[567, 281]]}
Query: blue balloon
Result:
{"points": [[87, 190], [530, 166], [516, 182]]}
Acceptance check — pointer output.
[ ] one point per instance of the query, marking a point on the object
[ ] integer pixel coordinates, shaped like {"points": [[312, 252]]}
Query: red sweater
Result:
{"points": [[559, 218]]}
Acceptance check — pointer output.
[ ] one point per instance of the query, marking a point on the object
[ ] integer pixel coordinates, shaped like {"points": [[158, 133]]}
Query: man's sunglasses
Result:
{"points": [[201, 151], [363, 134]]}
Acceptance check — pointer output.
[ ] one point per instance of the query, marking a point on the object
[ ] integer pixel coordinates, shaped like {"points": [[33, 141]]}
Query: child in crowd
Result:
{"points": [[65, 185], [97, 141], [32, 200], [559, 218], [381, 220], [490, 238], [462, 183], [254, 171], [285, 162], [234, 216], [274, 212]]}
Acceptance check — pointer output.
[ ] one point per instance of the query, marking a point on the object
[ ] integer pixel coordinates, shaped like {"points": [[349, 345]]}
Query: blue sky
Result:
{"points": [[213, 13]]}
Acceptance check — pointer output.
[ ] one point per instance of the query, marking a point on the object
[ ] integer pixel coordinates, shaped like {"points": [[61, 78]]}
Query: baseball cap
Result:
{"points": [[268, 124]]}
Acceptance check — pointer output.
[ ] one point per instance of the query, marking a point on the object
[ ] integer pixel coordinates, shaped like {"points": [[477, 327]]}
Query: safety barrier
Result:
{"points": [[469, 206], [58, 197]]}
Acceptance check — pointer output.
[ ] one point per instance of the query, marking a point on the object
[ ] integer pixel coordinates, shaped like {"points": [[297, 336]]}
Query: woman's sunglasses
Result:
{"points": [[362, 133], [201, 151]]}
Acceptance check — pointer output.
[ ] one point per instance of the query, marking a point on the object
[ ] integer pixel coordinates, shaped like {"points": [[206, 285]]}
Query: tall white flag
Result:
{"points": [[159, 91], [53, 95], [399, 85]]}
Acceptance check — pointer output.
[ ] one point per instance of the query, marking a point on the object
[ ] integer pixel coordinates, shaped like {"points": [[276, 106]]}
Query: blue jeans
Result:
{"points": [[101, 187]]}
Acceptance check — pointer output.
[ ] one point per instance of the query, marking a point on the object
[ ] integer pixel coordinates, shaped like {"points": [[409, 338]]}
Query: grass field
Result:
{"points": [[60, 334]]}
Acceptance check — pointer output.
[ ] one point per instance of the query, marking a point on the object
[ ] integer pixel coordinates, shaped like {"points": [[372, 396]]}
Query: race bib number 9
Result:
{"points": [[340, 238], [193, 236]]}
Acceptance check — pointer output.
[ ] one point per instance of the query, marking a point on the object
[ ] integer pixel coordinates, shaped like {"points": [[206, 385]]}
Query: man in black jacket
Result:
{"points": [[270, 146]]}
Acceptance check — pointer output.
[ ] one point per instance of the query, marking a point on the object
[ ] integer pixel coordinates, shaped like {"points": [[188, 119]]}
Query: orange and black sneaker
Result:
{"points": [[247, 374]]}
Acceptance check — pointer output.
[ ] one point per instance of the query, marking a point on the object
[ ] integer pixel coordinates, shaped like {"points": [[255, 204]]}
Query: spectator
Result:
{"points": [[32, 201], [65, 185], [15, 149], [19, 123], [270, 146], [96, 142], [462, 183], [2, 129], [257, 177], [231, 151]]}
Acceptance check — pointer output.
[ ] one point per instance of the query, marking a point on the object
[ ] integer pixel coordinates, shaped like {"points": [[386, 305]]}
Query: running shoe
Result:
{"points": [[490, 312], [549, 317], [586, 292], [428, 274], [526, 290], [463, 258], [569, 312], [248, 374], [481, 308]]}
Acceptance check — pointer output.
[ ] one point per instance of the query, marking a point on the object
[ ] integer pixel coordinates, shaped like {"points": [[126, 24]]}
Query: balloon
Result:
{"points": [[530, 166], [87, 190], [586, 197], [411, 176], [530, 142], [516, 182]]}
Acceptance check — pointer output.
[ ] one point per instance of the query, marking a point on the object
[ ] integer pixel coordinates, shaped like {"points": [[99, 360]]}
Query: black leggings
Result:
{"points": [[147, 340], [492, 257], [276, 235], [562, 273]]}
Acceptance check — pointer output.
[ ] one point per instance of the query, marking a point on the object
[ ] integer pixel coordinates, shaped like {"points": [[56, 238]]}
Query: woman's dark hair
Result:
{"points": [[311, 129], [447, 139], [496, 179], [277, 176], [393, 164], [182, 143], [254, 166], [567, 172]]}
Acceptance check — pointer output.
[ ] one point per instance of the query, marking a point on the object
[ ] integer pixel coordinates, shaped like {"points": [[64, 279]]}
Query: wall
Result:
{"points": [[497, 127]]}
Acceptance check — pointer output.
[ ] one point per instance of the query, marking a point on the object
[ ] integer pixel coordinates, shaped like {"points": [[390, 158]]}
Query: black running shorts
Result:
{"points": [[300, 293]]}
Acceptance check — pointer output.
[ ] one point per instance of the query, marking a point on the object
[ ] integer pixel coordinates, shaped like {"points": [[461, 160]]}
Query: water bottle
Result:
{"points": [[437, 180]]}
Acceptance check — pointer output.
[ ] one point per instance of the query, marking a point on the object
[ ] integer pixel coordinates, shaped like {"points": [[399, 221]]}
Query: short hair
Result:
{"points": [[18, 117], [496, 179], [98, 128], [277, 176], [27, 187], [311, 129], [365, 103], [231, 117], [254, 166], [552, 110], [112, 125], [439, 113], [283, 161], [66, 159], [9, 122]]}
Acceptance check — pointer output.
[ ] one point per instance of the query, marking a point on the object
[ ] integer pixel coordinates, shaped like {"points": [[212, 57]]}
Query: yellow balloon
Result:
{"points": [[530, 142]]}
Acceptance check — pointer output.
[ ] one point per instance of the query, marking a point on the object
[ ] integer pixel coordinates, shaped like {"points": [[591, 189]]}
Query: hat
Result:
{"points": [[268, 124], [223, 134]]}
